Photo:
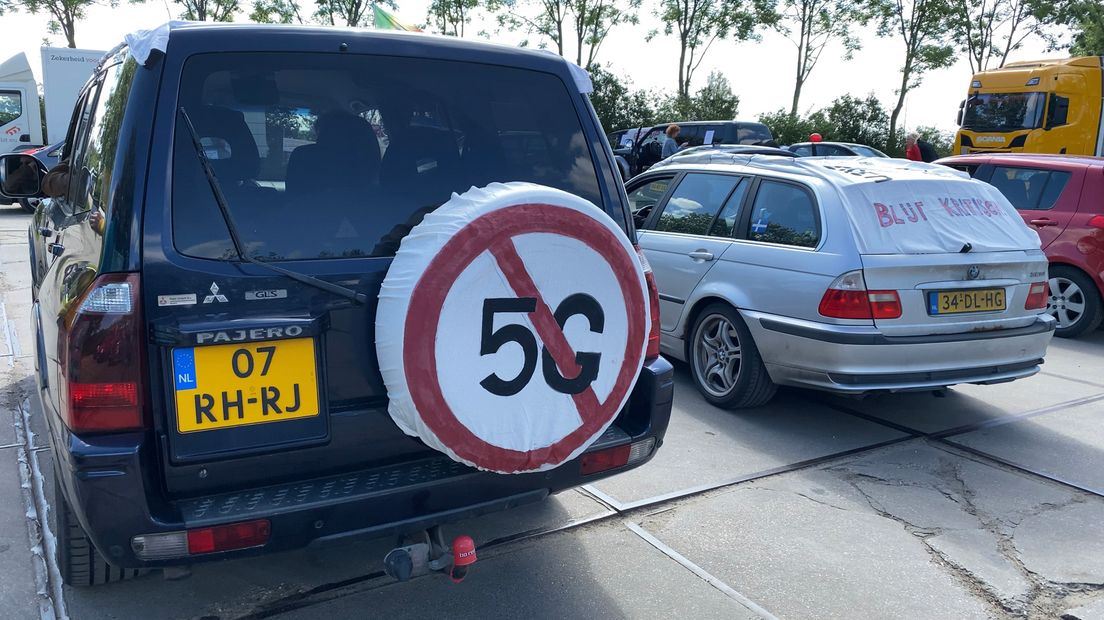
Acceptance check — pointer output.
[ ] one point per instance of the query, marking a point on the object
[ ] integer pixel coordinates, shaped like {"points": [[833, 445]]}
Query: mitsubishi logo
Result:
{"points": [[973, 273], [214, 296]]}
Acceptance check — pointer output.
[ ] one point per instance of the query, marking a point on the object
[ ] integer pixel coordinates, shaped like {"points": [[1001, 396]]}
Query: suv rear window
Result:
{"points": [[330, 156]]}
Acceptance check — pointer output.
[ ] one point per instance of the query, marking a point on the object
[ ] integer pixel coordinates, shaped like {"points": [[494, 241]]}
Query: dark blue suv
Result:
{"points": [[142, 273]]}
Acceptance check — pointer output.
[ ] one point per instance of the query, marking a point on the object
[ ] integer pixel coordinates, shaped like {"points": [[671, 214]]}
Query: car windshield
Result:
{"points": [[330, 156], [1004, 111], [751, 133], [866, 151]]}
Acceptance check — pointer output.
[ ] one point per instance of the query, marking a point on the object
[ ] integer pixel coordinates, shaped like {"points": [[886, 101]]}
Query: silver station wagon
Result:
{"points": [[848, 275]]}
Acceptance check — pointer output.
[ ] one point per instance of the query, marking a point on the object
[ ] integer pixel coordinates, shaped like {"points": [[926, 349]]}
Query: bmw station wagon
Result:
{"points": [[329, 145], [851, 276]]}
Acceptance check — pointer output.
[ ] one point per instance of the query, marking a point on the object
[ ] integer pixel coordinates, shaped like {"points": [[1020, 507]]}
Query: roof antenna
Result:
{"points": [[966, 248]]}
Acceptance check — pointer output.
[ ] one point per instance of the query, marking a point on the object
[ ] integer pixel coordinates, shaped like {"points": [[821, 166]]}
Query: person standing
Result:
{"points": [[670, 145], [912, 149], [927, 150]]}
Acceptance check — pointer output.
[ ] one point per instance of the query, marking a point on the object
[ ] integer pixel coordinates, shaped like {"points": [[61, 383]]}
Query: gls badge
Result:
{"points": [[275, 293]]}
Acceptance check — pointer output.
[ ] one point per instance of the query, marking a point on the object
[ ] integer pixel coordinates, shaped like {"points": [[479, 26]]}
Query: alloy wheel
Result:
{"points": [[1066, 302], [717, 355]]}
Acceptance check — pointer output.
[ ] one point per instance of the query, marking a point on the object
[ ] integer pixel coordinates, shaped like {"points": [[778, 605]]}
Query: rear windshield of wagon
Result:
{"points": [[331, 156]]}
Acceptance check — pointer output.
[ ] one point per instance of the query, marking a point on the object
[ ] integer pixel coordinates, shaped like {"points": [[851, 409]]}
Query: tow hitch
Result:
{"points": [[431, 554]]}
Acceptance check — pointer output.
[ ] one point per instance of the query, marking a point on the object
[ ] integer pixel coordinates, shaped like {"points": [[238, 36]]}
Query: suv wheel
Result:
{"points": [[80, 563], [725, 362], [1074, 300]]}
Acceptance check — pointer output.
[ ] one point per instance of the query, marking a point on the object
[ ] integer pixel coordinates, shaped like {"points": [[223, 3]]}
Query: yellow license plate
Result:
{"points": [[227, 385], [958, 302]]}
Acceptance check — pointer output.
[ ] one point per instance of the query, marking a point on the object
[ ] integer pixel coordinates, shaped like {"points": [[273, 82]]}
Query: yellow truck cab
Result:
{"points": [[1043, 106]]}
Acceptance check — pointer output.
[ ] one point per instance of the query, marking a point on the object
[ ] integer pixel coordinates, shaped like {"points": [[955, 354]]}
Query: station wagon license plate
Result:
{"points": [[958, 302], [222, 386]]}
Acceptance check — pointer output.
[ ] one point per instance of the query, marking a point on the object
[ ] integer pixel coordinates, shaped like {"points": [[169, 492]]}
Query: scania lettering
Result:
{"points": [[1044, 106]]}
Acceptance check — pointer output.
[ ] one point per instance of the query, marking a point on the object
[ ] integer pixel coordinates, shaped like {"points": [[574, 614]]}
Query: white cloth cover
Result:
{"points": [[901, 207], [451, 359], [141, 43]]}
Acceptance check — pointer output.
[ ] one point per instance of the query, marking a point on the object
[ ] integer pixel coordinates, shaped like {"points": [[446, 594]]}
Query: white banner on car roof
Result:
{"points": [[900, 207]]}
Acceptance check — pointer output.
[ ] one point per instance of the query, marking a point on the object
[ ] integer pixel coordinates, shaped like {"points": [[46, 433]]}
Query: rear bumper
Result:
{"points": [[111, 486], [860, 359]]}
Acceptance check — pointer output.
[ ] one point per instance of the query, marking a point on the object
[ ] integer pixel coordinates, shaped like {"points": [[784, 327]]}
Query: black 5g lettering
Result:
{"points": [[492, 340]]}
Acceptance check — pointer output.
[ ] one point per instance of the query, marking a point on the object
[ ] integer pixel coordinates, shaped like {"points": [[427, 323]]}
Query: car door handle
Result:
{"points": [[701, 255], [1043, 222], [55, 248]]}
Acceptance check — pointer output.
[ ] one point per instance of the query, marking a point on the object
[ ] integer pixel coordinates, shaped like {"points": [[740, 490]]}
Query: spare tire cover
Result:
{"points": [[512, 326]]}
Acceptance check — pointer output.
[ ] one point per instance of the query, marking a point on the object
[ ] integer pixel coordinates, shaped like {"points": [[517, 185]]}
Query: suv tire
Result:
{"points": [[81, 565], [1073, 286], [720, 338]]}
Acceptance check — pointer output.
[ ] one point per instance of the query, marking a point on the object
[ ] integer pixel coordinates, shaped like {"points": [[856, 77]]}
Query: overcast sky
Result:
{"points": [[761, 72]]}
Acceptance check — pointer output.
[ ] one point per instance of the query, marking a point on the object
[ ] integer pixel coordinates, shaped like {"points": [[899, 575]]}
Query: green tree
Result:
{"points": [[276, 12], [990, 30], [811, 25], [943, 141], [593, 20], [546, 19], [790, 128], [617, 106], [208, 10], [64, 14], [715, 100], [352, 13], [862, 121], [923, 26], [1086, 20], [698, 23], [451, 16]]}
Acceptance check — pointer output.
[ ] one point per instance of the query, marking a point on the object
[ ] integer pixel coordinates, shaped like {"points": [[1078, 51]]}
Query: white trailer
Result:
{"points": [[20, 121], [64, 72]]}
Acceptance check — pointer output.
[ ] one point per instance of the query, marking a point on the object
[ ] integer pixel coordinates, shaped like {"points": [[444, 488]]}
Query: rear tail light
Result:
{"points": [[102, 357], [848, 298], [612, 458], [167, 545], [653, 306], [1097, 221], [228, 537], [1037, 296]]}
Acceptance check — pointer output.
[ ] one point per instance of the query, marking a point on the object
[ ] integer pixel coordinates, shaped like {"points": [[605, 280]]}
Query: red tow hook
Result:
{"points": [[463, 556]]}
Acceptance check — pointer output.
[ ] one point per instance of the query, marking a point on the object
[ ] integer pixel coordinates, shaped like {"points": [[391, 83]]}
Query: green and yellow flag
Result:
{"points": [[386, 21]]}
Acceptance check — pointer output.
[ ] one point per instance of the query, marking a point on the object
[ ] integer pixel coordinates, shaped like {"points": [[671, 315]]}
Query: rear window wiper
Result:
{"points": [[235, 238]]}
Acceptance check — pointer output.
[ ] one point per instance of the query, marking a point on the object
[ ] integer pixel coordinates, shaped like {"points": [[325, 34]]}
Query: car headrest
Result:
{"points": [[229, 144]]}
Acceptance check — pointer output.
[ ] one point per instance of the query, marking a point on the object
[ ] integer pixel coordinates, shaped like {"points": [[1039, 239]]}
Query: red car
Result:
{"points": [[1061, 197]]}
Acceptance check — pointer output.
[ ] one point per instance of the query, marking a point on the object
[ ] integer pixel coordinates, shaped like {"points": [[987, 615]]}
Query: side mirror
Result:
{"points": [[21, 176], [958, 118]]}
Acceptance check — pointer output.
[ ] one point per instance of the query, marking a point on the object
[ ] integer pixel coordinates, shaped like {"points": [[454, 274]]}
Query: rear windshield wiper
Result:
{"points": [[235, 238]]}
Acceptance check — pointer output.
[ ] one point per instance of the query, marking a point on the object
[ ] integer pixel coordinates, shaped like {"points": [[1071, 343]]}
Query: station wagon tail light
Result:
{"points": [[1097, 221], [848, 298], [1037, 296], [102, 358], [653, 306]]}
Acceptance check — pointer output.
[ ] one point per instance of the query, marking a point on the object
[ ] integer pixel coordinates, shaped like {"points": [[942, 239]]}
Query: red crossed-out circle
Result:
{"points": [[494, 233]]}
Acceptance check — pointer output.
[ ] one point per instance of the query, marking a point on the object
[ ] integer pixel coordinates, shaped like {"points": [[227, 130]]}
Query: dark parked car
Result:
{"points": [[1059, 196], [142, 264], [639, 149], [834, 149]]}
